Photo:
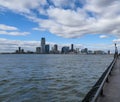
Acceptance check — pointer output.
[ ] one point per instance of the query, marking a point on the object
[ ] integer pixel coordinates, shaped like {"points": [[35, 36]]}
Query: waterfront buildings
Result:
{"points": [[38, 50], [47, 49], [20, 51], [99, 52], [84, 51], [44, 49], [55, 49], [43, 45], [72, 47], [108, 52], [65, 50]]}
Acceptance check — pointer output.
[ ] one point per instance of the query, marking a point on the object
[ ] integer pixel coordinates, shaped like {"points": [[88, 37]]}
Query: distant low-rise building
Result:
{"points": [[65, 50], [90, 52], [55, 49], [84, 51], [99, 52], [38, 50]]}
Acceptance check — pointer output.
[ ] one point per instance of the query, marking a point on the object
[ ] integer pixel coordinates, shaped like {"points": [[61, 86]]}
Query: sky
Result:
{"points": [[94, 24]]}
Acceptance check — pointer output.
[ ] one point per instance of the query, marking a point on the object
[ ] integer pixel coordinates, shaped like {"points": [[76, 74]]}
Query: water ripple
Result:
{"points": [[49, 78]]}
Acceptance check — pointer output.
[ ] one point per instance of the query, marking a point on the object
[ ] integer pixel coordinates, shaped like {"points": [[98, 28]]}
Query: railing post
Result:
{"points": [[110, 73], [107, 80], [101, 93]]}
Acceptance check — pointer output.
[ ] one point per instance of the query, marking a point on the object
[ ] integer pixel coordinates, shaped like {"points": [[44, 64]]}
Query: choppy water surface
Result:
{"points": [[49, 78]]}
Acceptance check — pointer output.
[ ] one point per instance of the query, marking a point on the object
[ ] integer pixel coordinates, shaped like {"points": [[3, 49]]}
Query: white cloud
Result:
{"points": [[76, 23], [64, 3], [14, 33], [6, 27], [7, 45], [11, 30], [93, 17], [38, 29], [116, 40], [24, 6], [103, 36]]}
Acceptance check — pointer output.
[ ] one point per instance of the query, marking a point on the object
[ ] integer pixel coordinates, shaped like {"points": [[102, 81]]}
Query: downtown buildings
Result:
{"points": [[55, 49], [45, 48]]}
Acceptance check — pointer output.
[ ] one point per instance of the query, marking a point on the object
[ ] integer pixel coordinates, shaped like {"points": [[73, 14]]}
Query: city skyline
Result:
{"points": [[87, 24], [45, 48]]}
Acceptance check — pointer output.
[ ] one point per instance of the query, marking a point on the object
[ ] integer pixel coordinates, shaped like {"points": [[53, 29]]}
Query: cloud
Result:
{"points": [[93, 18], [103, 36], [6, 27], [70, 19], [38, 29], [24, 6], [63, 3], [11, 30], [14, 33], [7, 45], [116, 40]]}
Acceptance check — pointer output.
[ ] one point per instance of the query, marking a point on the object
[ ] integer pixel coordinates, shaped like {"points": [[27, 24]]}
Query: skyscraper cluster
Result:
{"points": [[45, 48], [20, 50]]}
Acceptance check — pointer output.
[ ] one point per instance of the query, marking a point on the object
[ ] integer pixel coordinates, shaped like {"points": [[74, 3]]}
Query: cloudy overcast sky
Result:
{"points": [[94, 24]]}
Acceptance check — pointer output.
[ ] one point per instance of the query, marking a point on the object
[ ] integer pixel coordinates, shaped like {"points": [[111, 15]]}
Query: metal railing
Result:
{"points": [[97, 89]]}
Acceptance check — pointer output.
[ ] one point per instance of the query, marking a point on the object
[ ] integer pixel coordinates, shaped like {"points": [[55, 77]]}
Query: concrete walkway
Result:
{"points": [[112, 89]]}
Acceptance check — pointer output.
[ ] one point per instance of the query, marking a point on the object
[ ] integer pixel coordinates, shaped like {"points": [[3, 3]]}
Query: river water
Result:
{"points": [[49, 78]]}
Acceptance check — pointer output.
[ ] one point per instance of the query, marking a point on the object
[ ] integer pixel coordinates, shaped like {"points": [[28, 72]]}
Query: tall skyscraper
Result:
{"points": [[43, 45], [47, 49], [19, 49], [72, 47]]}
